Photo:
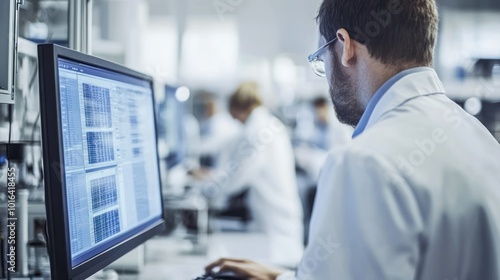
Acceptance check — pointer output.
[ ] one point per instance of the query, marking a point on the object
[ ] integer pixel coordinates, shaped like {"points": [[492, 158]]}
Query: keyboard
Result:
{"points": [[220, 276]]}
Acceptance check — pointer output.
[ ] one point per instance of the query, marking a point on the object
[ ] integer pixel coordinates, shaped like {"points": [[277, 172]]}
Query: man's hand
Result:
{"points": [[245, 268]]}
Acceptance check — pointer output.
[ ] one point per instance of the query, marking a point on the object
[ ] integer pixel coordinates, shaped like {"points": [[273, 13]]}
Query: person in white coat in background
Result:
{"points": [[416, 194], [262, 160], [316, 136], [218, 130]]}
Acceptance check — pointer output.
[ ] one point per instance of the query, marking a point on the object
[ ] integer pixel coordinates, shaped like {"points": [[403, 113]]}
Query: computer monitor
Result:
{"points": [[171, 126], [102, 185]]}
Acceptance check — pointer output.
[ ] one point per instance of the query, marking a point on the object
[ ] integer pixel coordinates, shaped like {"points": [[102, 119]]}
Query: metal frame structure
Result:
{"points": [[9, 11]]}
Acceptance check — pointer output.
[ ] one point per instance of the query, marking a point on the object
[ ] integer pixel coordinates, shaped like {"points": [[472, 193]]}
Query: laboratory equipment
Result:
{"points": [[220, 276], [8, 33], [171, 126]]}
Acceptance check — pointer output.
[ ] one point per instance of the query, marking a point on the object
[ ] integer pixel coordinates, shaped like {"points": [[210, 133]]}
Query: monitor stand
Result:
{"points": [[106, 274]]}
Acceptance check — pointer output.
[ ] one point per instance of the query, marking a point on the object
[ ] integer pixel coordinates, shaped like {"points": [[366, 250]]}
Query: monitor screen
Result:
{"points": [[105, 135]]}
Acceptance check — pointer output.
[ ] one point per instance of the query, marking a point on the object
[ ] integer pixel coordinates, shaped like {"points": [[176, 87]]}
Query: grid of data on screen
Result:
{"points": [[110, 166]]}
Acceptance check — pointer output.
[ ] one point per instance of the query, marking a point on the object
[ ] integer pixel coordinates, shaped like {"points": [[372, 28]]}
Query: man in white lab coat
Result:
{"points": [[416, 194], [218, 129], [262, 161]]}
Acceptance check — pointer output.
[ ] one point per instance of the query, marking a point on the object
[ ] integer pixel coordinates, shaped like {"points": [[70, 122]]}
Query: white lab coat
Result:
{"points": [[222, 130], [263, 160], [415, 196]]}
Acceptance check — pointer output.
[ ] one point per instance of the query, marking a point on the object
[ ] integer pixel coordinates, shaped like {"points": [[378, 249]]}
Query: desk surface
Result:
{"points": [[168, 258]]}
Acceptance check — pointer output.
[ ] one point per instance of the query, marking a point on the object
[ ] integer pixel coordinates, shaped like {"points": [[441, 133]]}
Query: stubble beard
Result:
{"points": [[343, 94]]}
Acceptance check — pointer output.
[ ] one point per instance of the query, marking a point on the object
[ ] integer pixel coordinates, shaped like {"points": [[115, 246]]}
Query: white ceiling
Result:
{"points": [[265, 27]]}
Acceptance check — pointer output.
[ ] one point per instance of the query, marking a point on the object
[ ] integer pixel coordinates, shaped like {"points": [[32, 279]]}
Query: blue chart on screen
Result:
{"points": [[104, 193], [100, 147], [97, 106], [105, 225]]}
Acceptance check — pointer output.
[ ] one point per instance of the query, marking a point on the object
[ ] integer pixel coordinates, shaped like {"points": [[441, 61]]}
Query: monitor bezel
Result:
{"points": [[55, 194]]}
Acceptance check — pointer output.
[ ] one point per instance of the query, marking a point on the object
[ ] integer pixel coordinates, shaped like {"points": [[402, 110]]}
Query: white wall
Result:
{"points": [[217, 43]]}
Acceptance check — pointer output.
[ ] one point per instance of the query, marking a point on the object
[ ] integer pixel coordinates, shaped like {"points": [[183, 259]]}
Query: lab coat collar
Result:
{"points": [[408, 84]]}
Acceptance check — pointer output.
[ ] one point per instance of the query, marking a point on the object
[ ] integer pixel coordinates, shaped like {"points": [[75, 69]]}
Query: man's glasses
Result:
{"points": [[317, 64]]}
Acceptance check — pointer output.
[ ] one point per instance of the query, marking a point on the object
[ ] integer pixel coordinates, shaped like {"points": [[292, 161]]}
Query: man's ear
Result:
{"points": [[348, 48]]}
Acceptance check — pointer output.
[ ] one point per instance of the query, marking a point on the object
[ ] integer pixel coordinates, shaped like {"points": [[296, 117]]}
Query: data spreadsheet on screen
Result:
{"points": [[110, 156]]}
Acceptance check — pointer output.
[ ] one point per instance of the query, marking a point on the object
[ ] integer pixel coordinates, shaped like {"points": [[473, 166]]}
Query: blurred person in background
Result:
{"points": [[416, 193], [316, 136], [218, 130], [262, 161], [330, 133], [318, 132], [193, 141]]}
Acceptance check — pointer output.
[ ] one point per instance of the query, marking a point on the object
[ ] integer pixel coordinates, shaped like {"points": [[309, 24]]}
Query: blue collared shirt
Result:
{"points": [[379, 94]]}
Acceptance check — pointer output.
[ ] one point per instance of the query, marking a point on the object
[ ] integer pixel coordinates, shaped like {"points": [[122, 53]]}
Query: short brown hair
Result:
{"points": [[246, 97], [394, 31]]}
